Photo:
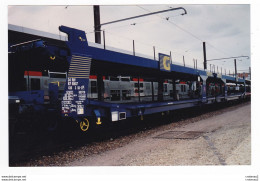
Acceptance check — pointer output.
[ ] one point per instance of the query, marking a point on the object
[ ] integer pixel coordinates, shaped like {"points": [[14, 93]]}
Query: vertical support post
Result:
{"points": [[235, 62], [204, 55], [183, 60], [204, 89], [225, 87], [160, 89], [221, 70], [152, 92], [217, 69], [154, 52], [244, 77], [250, 72], [196, 64], [97, 24], [225, 72], [100, 87], [171, 56], [139, 98], [193, 63], [174, 89], [134, 47], [104, 39], [28, 81]]}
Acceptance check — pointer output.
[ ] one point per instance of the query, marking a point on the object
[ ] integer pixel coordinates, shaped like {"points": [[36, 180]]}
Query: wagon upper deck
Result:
{"points": [[109, 61]]}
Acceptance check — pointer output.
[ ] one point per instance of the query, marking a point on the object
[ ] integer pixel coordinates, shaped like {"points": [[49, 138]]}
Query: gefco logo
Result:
{"points": [[165, 62], [81, 39]]}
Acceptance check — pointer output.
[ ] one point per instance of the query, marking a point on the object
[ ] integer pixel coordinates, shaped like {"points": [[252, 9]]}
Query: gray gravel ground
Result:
{"points": [[226, 141]]}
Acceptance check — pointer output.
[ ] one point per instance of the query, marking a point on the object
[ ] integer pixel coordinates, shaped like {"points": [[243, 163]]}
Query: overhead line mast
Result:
{"points": [[97, 26]]}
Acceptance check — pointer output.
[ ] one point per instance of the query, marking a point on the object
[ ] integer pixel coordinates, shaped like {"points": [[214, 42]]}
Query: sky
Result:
{"points": [[225, 28]]}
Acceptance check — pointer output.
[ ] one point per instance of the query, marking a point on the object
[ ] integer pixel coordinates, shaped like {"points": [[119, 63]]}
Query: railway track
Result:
{"points": [[41, 148]]}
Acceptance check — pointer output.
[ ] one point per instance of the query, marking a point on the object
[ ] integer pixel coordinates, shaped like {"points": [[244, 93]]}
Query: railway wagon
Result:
{"points": [[91, 86]]}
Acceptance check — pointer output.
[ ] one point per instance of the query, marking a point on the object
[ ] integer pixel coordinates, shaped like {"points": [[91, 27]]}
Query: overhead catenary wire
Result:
{"points": [[143, 15], [146, 44], [138, 23], [188, 32], [122, 26], [191, 34], [174, 25], [170, 22], [167, 20], [135, 23]]}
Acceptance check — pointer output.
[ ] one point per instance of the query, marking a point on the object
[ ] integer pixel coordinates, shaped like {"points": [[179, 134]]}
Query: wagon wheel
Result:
{"points": [[84, 124]]}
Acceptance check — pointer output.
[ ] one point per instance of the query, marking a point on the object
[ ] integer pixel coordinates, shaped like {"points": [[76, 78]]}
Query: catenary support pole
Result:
{"points": [[204, 55], [97, 24]]}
